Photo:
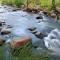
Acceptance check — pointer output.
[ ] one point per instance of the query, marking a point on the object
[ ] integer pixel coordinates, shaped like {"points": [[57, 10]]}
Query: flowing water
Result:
{"points": [[21, 21]]}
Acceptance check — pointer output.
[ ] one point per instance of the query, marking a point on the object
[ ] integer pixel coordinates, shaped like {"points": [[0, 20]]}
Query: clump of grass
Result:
{"points": [[13, 2], [25, 53], [1, 53], [41, 3]]}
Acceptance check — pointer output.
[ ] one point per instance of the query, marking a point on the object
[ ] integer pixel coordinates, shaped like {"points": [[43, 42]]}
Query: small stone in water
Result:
{"points": [[39, 17], [0, 24], [32, 28], [9, 26], [34, 31], [39, 35]]}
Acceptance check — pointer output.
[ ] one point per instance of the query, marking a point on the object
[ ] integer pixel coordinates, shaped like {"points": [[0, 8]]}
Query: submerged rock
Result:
{"points": [[17, 42], [53, 15]]}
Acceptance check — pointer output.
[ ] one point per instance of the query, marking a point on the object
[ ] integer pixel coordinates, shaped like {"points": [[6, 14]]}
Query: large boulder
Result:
{"points": [[3, 23], [17, 42]]}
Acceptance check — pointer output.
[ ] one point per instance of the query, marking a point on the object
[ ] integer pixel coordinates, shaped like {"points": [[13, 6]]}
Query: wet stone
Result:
{"points": [[53, 15], [33, 32], [45, 12], [32, 28], [14, 10], [9, 26], [5, 31], [39, 35], [39, 17]]}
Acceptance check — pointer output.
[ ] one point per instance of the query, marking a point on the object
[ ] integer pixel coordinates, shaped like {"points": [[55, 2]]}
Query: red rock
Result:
{"points": [[17, 42]]}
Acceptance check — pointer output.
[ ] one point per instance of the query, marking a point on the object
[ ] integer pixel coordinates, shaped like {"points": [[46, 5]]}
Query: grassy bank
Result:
{"points": [[40, 3], [24, 53]]}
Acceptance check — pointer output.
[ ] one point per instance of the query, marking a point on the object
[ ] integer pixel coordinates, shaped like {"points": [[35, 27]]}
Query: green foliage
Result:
{"points": [[25, 53], [1, 53], [41, 3], [13, 2]]}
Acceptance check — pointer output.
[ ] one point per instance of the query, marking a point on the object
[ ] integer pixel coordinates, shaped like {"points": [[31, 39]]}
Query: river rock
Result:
{"points": [[35, 10], [32, 28], [9, 26], [0, 23], [34, 31], [45, 12], [29, 10], [5, 31], [3, 23], [39, 35], [17, 42], [41, 13], [53, 15], [39, 17]]}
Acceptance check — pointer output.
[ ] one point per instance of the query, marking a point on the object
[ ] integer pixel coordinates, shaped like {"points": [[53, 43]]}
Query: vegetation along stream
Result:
{"points": [[44, 31]]}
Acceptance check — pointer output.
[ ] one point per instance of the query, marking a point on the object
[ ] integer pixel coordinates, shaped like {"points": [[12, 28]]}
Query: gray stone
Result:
{"points": [[39, 35], [39, 17], [5, 31], [34, 31], [32, 28]]}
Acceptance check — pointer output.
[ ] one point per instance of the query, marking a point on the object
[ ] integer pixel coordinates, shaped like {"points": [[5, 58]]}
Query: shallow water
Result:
{"points": [[21, 21]]}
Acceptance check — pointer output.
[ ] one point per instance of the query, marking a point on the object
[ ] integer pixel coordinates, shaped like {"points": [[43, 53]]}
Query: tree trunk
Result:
{"points": [[53, 5]]}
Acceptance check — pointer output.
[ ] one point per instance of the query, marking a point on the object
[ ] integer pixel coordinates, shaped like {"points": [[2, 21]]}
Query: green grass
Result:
{"points": [[42, 3], [1, 53], [24, 53], [13, 2]]}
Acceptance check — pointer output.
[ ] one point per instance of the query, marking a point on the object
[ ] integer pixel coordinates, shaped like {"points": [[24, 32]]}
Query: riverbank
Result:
{"points": [[45, 10]]}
